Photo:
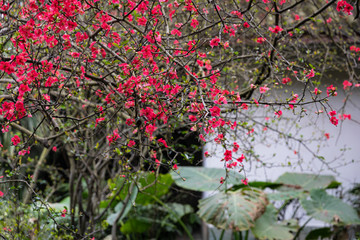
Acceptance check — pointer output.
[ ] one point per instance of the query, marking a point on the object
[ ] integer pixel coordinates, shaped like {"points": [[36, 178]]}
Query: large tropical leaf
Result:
{"points": [[205, 179], [330, 209], [153, 186], [135, 225], [65, 203], [286, 195], [179, 210], [266, 226], [257, 184], [149, 185], [233, 210], [306, 181], [319, 233], [123, 209]]}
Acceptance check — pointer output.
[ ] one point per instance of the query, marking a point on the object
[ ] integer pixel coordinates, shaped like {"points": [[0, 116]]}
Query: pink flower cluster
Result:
{"points": [[344, 6]]}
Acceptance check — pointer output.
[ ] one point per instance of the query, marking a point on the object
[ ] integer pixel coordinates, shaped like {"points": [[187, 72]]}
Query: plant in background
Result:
{"points": [[93, 90], [242, 208]]}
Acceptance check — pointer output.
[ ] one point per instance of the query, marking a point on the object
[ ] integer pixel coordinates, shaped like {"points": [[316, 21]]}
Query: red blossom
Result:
{"points": [[347, 116], [7, 67], [260, 40], [214, 42], [222, 180], [142, 21], [246, 25], [237, 13], [15, 140], [131, 143], [63, 213], [347, 84], [286, 80], [263, 89], [150, 129], [162, 141], [194, 23], [332, 113], [192, 118], [98, 120], [276, 29], [334, 121], [331, 91], [176, 32], [311, 74], [344, 6], [278, 113], [228, 155], [317, 91], [23, 89], [215, 111], [245, 181], [236, 147]]}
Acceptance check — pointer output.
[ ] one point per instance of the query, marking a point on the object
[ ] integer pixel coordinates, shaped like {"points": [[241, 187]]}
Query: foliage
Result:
{"points": [[23, 221], [249, 208], [96, 94], [236, 211], [306, 181], [266, 226], [329, 209], [204, 179]]}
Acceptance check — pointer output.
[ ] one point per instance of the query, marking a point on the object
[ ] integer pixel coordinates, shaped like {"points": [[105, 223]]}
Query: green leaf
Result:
{"points": [[305, 181], [204, 179], [320, 232], [153, 187], [330, 209], [135, 225], [266, 226], [65, 203], [236, 211], [106, 62], [334, 184], [285, 195], [116, 45], [120, 206], [258, 184], [179, 209]]}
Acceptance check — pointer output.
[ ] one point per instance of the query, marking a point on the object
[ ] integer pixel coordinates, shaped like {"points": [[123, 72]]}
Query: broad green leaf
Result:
{"points": [[119, 208], [267, 227], [330, 209], [205, 179], [148, 182], [105, 203], [285, 195], [153, 187], [236, 211], [179, 209], [258, 184], [319, 233], [65, 203], [135, 225], [334, 184], [305, 181]]}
